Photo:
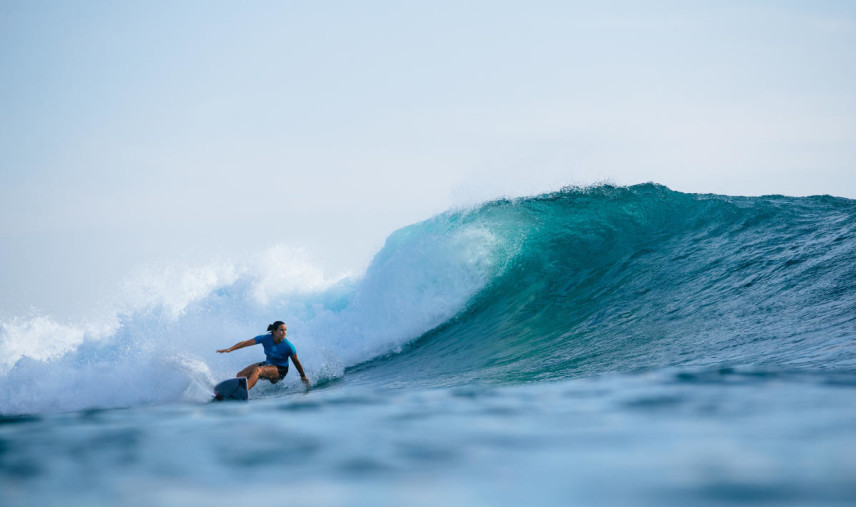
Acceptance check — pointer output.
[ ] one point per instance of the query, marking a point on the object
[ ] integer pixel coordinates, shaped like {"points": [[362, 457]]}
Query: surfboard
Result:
{"points": [[232, 389]]}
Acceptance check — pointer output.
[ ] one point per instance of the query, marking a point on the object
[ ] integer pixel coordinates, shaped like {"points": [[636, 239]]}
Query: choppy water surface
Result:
{"points": [[603, 345]]}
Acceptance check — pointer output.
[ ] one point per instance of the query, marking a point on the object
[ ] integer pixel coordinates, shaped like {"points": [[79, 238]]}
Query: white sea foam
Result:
{"points": [[159, 347], [42, 339]]}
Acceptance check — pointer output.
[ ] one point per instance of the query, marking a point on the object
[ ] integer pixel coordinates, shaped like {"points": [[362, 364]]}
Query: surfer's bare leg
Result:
{"points": [[254, 371], [246, 371]]}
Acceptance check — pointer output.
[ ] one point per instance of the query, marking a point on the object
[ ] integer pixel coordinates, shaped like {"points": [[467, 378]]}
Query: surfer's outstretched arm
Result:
{"points": [[240, 345], [299, 367]]}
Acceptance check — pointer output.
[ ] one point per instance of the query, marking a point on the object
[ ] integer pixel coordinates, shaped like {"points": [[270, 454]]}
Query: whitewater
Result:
{"points": [[605, 344]]}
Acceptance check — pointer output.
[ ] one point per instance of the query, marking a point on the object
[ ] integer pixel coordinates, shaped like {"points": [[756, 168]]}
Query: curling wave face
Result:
{"points": [[610, 279]]}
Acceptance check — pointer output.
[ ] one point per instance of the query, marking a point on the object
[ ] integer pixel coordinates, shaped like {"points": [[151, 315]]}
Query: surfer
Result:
{"points": [[277, 352]]}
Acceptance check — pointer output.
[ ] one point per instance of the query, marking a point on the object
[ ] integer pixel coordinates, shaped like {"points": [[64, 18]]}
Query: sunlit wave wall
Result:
{"points": [[568, 284]]}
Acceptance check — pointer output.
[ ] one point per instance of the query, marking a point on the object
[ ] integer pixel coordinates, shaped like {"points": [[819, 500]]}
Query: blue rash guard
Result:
{"points": [[276, 353]]}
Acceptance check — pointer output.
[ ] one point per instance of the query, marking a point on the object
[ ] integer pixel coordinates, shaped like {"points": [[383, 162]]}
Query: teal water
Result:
{"points": [[601, 345]]}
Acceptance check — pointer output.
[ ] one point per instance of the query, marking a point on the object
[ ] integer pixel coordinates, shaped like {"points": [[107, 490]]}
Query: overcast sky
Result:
{"points": [[135, 133]]}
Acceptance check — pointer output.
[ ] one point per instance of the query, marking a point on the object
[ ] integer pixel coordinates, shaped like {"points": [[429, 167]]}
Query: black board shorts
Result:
{"points": [[283, 370]]}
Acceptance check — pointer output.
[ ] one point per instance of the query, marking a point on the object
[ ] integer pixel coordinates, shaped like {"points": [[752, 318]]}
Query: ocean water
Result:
{"points": [[601, 345]]}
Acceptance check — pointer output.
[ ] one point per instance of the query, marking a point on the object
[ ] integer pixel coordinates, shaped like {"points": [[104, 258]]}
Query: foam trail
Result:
{"points": [[159, 347]]}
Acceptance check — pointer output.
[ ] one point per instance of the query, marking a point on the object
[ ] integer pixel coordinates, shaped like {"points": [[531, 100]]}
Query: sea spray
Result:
{"points": [[160, 347]]}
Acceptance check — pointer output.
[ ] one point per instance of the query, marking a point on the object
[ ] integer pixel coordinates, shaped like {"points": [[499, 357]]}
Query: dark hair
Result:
{"points": [[275, 325]]}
